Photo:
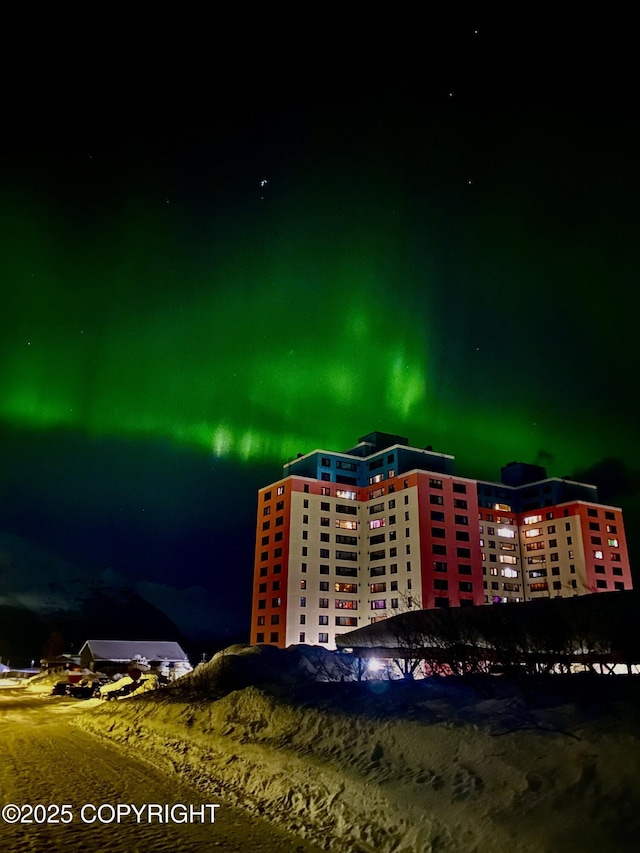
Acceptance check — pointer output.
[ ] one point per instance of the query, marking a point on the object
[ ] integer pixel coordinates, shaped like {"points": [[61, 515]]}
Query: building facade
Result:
{"points": [[346, 539]]}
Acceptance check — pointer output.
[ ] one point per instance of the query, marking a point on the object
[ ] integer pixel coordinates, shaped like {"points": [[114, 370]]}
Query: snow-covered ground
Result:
{"points": [[48, 764], [436, 765]]}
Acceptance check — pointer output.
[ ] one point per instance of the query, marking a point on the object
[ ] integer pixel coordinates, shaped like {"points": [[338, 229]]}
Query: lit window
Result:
{"points": [[613, 543], [532, 519], [376, 522], [379, 604], [598, 555], [506, 533], [535, 531], [347, 495]]}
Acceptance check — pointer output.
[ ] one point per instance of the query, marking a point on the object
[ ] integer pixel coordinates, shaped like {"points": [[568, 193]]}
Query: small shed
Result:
{"points": [[112, 656], [61, 662]]}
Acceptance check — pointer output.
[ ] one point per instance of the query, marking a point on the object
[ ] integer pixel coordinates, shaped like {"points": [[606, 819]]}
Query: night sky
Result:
{"points": [[220, 251]]}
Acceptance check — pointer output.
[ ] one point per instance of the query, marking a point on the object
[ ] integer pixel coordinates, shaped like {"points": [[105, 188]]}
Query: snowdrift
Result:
{"points": [[436, 765]]}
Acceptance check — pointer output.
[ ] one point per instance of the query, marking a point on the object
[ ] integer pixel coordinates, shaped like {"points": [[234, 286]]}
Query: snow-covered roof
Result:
{"points": [[127, 650]]}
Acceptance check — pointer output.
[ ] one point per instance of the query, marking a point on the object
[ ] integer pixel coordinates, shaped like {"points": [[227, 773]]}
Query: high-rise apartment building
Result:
{"points": [[346, 539]]}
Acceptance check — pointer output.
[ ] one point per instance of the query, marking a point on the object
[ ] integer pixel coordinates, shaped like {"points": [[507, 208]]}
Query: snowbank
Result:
{"points": [[437, 765]]}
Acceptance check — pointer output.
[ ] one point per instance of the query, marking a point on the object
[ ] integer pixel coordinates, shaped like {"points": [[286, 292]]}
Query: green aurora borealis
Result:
{"points": [[301, 323]]}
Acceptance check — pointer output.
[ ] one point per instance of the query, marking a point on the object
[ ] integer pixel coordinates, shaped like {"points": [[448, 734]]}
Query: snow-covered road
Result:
{"points": [[46, 760]]}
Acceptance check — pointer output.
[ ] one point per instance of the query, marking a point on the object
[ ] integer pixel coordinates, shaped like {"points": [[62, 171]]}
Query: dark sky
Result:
{"points": [[223, 246]]}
